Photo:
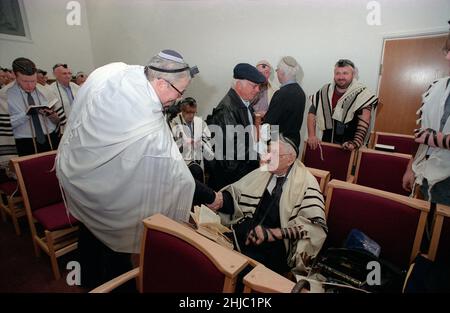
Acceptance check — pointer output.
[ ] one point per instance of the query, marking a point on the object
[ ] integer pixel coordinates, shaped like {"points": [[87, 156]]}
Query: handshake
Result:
{"points": [[218, 202]]}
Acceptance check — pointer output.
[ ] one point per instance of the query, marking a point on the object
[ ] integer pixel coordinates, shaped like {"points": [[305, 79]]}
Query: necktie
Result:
{"points": [[69, 94], [278, 189], [40, 137]]}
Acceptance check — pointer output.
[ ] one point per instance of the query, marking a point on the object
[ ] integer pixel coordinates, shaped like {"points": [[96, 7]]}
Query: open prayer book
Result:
{"points": [[39, 107], [208, 224]]}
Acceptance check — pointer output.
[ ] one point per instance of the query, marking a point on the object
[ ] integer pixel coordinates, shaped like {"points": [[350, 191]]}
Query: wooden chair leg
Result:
{"points": [[12, 209], [37, 249], [3, 213], [52, 255], [2, 207]]}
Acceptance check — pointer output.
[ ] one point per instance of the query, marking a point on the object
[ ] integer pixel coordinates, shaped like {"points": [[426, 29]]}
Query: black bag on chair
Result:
{"points": [[352, 267]]}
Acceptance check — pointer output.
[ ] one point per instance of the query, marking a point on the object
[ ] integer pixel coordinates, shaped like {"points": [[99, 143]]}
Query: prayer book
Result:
{"points": [[208, 224], [387, 148], [39, 107]]}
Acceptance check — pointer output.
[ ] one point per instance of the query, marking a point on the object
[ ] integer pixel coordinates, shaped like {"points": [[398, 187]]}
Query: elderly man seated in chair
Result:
{"points": [[276, 212]]}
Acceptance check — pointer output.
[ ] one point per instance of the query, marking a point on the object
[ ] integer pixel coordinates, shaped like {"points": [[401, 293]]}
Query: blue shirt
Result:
{"points": [[20, 121]]}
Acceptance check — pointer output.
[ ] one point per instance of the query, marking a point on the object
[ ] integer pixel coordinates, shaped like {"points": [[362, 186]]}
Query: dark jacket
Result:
{"points": [[286, 110], [242, 159]]}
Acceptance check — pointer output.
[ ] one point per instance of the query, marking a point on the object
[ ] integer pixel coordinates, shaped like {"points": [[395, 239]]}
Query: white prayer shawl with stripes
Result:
{"points": [[117, 161], [60, 91], [437, 167], [356, 97], [7, 142], [301, 204]]}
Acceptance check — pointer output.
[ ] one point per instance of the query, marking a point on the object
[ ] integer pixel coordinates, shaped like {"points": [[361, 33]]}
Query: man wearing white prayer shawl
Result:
{"points": [[430, 167], [277, 211], [118, 163], [341, 110]]}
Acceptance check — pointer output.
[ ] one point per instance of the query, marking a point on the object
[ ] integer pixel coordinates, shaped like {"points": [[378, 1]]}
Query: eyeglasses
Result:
{"points": [[345, 62], [445, 50], [180, 92]]}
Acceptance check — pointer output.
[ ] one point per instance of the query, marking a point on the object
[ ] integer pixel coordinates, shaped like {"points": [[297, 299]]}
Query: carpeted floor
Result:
{"points": [[22, 271]]}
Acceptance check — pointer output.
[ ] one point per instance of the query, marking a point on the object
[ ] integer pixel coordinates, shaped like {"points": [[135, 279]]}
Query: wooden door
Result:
{"points": [[409, 66]]}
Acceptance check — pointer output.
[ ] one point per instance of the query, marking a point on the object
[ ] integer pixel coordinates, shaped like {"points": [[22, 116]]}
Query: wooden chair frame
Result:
{"points": [[54, 243], [229, 262], [377, 134], [12, 208], [261, 279], [365, 150], [351, 161], [324, 177], [442, 212], [420, 205]]}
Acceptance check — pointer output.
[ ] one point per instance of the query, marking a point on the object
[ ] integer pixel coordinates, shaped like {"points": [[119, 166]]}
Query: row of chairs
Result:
{"points": [[175, 258], [376, 169], [53, 229], [43, 204]]}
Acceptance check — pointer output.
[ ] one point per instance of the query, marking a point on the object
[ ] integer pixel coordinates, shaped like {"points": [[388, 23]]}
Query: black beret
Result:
{"points": [[248, 72]]}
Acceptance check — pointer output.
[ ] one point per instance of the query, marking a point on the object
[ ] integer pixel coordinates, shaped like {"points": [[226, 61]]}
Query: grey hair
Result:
{"points": [[166, 64], [289, 72]]}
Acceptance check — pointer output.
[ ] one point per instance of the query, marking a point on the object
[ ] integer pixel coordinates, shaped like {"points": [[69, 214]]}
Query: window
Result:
{"points": [[13, 21]]}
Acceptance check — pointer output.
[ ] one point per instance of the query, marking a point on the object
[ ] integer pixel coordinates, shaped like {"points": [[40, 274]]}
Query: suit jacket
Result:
{"points": [[286, 110]]}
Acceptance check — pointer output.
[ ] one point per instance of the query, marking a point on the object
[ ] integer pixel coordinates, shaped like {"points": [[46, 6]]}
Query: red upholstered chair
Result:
{"points": [[395, 222], [402, 143], [381, 170], [323, 177], [440, 237], [336, 160], [175, 258], [11, 203], [44, 207], [263, 280]]}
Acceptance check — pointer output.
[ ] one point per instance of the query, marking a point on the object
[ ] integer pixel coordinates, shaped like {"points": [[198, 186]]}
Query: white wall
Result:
{"points": [[217, 34], [52, 40]]}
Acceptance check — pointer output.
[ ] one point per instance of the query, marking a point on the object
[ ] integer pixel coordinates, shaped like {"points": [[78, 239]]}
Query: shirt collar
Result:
{"points": [[289, 82]]}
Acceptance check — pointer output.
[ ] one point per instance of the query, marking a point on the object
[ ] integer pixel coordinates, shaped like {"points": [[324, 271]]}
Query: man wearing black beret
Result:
{"points": [[231, 119]]}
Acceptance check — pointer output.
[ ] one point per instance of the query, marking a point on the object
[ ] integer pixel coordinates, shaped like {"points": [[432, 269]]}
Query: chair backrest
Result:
{"points": [[335, 160], [381, 170], [263, 280], [402, 143], [39, 179], [440, 238], [175, 258], [395, 222], [323, 177]]}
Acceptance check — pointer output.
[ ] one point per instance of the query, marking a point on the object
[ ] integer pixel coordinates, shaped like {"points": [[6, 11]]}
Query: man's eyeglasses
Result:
{"points": [[179, 92]]}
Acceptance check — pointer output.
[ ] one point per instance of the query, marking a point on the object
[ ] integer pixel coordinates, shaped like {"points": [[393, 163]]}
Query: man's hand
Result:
{"points": [[218, 202], [348, 145], [312, 142], [52, 115], [408, 179], [259, 234]]}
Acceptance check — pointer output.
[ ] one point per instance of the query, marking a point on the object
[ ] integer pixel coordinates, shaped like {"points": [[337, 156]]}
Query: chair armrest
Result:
{"points": [[116, 282]]}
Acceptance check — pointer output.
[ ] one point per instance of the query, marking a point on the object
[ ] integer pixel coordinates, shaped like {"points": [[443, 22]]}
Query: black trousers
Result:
{"points": [[25, 146], [100, 264]]}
